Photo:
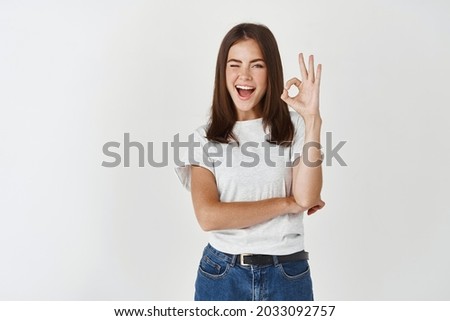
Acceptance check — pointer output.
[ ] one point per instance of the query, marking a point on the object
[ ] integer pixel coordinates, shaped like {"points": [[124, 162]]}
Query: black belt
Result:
{"points": [[260, 259]]}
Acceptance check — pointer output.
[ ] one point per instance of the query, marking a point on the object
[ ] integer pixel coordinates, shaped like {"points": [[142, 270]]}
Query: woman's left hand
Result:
{"points": [[306, 102]]}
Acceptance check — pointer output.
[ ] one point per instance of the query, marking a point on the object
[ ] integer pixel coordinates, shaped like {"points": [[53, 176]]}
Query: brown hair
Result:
{"points": [[275, 112]]}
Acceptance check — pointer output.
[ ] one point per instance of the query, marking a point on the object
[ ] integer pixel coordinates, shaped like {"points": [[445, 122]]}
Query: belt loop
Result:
{"points": [[233, 260], [275, 260]]}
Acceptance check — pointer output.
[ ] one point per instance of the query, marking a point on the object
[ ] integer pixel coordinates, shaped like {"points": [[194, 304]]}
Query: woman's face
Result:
{"points": [[246, 78]]}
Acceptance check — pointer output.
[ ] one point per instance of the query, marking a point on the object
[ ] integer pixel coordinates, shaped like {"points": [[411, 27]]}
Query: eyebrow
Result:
{"points": [[252, 61]]}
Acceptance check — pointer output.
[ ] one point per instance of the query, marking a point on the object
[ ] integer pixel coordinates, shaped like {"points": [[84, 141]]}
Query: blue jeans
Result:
{"points": [[220, 277]]}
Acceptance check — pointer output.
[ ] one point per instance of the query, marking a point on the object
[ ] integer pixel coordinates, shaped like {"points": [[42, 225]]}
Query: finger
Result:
{"points": [[320, 205], [284, 94], [311, 75], [303, 70], [319, 74], [285, 97], [293, 81], [314, 208]]}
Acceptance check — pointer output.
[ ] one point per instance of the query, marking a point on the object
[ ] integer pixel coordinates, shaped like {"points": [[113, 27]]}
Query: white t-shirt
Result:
{"points": [[253, 171]]}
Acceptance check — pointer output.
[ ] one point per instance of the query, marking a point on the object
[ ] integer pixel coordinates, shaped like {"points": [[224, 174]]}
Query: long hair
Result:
{"points": [[275, 112]]}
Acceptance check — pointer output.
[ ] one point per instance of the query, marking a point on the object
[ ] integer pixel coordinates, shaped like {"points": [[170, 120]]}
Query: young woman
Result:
{"points": [[253, 171]]}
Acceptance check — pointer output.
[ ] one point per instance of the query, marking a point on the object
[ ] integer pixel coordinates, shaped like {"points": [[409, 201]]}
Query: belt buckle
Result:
{"points": [[241, 259]]}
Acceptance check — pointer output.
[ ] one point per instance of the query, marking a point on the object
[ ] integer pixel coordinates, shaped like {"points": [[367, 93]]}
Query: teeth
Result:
{"points": [[244, 87]]}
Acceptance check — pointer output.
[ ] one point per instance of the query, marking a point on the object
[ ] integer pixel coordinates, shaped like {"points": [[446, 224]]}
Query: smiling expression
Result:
{"points": [[246, 78]]}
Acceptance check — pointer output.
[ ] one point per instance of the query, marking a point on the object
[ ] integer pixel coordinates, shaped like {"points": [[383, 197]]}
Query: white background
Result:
{"points": [[77, 74]]}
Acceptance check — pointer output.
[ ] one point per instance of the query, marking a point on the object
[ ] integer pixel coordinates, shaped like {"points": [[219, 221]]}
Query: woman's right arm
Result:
{"points": [[212, 214]]}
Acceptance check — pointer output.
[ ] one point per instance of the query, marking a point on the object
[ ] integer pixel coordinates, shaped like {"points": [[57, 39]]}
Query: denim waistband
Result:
{"points": [[230, 258]]}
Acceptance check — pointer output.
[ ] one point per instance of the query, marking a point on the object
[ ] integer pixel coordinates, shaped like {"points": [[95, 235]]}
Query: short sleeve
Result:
{"points": [[193, 152], [299, 136]]}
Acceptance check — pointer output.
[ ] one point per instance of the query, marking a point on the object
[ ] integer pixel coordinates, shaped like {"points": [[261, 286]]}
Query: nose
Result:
{"points": [[245, 74]]}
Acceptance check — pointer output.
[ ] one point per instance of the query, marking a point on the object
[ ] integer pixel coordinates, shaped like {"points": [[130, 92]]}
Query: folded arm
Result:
{"points": [[212, 214]]}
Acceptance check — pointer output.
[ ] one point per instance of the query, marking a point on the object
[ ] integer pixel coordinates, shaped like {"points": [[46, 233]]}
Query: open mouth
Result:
{"points": [[245, 91]]}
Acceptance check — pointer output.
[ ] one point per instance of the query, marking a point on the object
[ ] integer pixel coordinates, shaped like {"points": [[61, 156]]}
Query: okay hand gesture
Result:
{"points": [[306, 102]]}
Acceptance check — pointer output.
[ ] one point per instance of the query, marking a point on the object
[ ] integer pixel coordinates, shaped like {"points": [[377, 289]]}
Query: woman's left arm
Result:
{"points": [[307, 173]]}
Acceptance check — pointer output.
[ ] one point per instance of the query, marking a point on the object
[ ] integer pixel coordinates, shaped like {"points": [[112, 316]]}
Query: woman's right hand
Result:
{"points": [[293, 207], [315, 208]]}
